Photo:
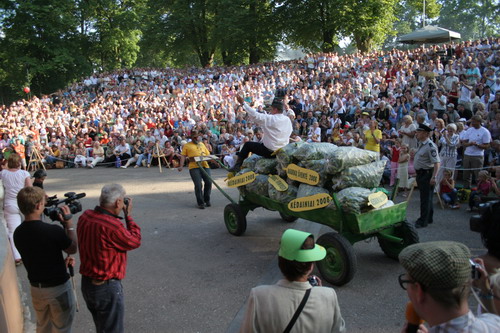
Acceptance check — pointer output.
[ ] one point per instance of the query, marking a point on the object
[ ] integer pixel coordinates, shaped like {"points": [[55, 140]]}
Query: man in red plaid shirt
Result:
{"points": [[104, 240]]}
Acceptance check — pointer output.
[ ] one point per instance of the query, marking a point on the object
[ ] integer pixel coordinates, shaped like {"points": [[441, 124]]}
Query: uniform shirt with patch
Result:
{"points": [[426, 156]]}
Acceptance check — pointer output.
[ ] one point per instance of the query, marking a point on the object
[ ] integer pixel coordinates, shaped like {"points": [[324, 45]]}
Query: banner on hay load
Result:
{"points": [[310, 202], [377, 199], [243, 179], [278, 183], [302, 175]]}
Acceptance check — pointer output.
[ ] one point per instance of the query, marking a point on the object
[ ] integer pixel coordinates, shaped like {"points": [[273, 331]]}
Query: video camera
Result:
{"points": [[480, 222], [52, 210]]}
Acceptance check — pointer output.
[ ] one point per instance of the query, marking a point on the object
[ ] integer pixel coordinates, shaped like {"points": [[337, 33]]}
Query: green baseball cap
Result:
{"points": [[291, 243], [442, 264]]}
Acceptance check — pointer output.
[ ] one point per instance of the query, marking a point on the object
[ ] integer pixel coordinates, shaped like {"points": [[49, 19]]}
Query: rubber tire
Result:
{"points": [[340, 263], [288, 218], [235, 220], [407, 232]]}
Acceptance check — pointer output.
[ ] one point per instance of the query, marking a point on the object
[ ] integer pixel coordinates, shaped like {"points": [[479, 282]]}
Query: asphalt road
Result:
{"points": [[191, 275]]}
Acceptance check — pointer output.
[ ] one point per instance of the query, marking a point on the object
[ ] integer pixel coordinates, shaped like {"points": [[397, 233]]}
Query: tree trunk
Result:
{"points": [[362, 43], [205, 59], [253, 50], [328, 45]]}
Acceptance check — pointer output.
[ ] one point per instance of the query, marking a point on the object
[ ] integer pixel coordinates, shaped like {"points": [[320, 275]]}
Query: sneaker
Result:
{"points": [[136, 166], [201, 206], [123, 167], [455, 206], [208, 204]]}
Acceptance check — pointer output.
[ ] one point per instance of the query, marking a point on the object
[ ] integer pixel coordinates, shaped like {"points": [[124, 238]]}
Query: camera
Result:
{"points": [[52, 209], [475, 273], [313, 280], [479, 222]]}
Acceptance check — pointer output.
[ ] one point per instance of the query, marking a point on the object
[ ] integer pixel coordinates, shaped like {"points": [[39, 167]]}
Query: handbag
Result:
{"points": [[298, 311]]}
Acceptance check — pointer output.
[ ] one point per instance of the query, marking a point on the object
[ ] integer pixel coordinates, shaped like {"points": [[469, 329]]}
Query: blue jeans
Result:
{"points": [[147, 156], [202, 193], [105, 303], [451, 197], [50, 159]]}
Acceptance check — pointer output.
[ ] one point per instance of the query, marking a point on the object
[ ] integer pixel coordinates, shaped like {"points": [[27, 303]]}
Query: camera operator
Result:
{"points": [[488, 225], [103, 244], [271, 308], [40, 245], [437, 281]]}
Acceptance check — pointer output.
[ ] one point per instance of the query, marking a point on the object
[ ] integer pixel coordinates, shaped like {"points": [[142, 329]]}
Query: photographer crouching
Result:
{"points": [[104, 242], [40, 245]]}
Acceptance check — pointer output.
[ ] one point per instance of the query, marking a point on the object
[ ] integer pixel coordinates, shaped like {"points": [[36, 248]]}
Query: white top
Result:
{"points": [[13, 182], [480, 136], [276, 127], [270, 308]]}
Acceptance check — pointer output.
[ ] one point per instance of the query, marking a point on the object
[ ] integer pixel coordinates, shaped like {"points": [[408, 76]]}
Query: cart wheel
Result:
{"points": [[340, 262], [407, 232], [235, 219], [288, 218]]}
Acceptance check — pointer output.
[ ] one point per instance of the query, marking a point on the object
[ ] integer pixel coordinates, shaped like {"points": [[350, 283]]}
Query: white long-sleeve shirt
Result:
{"points": [[276, 127]]}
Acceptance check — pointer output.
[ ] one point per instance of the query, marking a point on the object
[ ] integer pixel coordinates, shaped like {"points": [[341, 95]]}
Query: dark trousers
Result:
{"points": [[105, 303], [253, 147], [202, 193], [123, 158], [426, 193]]}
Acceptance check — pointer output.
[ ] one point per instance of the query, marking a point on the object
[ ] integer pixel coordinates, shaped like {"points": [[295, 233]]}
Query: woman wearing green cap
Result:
{"points": [[271, 308]]}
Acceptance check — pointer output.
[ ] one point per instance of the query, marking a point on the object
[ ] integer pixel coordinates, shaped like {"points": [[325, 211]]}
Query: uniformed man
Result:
{"points": [[426, 164]]}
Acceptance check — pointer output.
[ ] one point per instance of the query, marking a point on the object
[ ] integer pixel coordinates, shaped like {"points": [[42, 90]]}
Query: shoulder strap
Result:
{"points": [[298, 311]]}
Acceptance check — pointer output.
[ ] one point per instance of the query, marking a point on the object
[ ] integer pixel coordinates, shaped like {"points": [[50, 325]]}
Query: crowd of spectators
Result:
{"points": [[373, 101]]}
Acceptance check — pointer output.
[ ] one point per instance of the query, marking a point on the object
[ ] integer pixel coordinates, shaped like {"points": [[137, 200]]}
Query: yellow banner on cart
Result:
{"points": [[278, 183], [377, 199], [242, 179], [310, 203], [302, 175]]}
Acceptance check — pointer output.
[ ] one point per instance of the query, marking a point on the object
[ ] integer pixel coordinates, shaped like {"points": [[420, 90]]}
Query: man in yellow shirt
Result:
{"points": [[372, 137], [191, 150]]}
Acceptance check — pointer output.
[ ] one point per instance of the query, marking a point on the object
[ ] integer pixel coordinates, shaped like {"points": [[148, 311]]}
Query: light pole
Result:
{"points": [[423, 16]]}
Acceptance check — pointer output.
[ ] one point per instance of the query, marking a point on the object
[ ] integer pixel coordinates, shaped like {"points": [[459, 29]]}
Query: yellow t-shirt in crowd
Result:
{"points": [[371, 144], [191, 149]]}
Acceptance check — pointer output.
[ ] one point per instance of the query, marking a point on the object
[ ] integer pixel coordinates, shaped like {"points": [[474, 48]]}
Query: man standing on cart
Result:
{"points": [[276, 126]]}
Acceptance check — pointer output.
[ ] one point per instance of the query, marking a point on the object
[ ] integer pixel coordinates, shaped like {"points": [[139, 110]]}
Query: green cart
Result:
{"points": [[389, 225]]}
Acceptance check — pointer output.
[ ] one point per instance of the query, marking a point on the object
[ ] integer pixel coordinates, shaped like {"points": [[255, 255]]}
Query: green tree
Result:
{"points": [[473, 19], [313, 25], [370, 22], [41, 46], [113, 31]]}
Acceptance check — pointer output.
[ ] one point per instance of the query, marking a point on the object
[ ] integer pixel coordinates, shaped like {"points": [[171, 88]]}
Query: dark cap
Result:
{"points": [[40, 173], [424, 127], [437, 265], [278, 104]]}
